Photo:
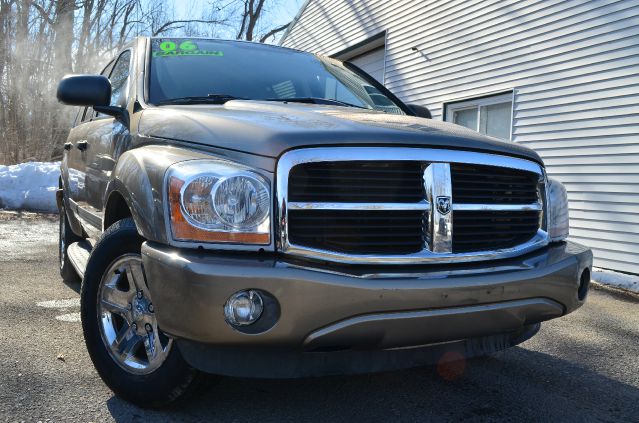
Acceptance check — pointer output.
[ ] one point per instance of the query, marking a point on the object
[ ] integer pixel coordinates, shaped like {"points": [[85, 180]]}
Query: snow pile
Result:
{"points": [[617, 280], [29, 186]]}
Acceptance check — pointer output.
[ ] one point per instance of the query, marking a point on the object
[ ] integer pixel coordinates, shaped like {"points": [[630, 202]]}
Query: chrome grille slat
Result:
{"points": [[504, 185], [502, 207], [422, 205]]}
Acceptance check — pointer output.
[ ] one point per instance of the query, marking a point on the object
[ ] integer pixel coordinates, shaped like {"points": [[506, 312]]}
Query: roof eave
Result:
{"points": [[294, 21]]}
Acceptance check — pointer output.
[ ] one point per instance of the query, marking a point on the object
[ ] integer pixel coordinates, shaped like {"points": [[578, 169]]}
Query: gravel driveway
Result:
{"points": [[583, 367]]}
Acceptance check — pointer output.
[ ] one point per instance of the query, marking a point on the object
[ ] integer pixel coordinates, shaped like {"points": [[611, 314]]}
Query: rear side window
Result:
{"points": [[120, 80]]}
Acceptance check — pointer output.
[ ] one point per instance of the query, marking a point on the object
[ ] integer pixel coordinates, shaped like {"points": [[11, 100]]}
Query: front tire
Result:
{"points": [[132, 356]]}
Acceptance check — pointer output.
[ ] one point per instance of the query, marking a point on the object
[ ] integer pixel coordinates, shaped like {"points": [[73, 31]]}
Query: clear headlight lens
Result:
{"points": [[241, 201], [557, 209], [218, 201]]}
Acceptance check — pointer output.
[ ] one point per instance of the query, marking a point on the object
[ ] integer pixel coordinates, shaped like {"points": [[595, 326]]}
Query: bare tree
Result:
{"points": [[252, 14], [41, 40], [63, 30]]}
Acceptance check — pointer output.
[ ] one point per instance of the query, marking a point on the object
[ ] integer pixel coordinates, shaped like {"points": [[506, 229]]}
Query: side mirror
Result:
{"points": [[90, 90], [420, 111], [84, 90]]}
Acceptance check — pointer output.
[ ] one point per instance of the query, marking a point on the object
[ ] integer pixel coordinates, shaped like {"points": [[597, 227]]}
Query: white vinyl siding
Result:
{"points": [[573, 67], [372, 63]]}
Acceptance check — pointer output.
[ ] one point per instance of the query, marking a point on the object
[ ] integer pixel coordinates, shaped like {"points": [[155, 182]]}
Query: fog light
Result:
{"points": [[243, 308]]}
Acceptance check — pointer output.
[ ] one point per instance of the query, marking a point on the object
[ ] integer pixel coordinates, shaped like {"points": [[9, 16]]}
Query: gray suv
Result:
{"points": [[249, 210]]}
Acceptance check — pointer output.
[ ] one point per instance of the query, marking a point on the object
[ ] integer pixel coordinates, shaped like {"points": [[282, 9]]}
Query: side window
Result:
{"points": [[88, 113], [120, 80]]}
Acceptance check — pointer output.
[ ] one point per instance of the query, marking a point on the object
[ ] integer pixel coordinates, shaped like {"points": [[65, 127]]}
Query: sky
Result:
{"points": [[278, 13]]}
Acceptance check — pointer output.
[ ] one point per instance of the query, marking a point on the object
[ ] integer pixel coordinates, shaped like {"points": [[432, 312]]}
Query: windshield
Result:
{"points": [[188, 71]]}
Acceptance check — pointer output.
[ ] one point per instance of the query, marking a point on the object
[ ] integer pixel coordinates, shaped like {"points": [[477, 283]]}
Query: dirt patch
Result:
{"points": [[12, 215], [619, 293], [27, 236]]}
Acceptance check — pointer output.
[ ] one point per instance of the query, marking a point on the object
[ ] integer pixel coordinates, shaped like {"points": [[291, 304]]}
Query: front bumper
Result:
{"points": [[328, 309]]}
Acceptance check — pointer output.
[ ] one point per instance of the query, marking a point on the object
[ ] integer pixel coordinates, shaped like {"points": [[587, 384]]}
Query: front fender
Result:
{"points": [[139, 178]]}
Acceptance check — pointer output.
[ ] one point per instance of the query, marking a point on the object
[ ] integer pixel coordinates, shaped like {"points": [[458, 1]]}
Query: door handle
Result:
{"points": [[68, 145], [82, 145]]}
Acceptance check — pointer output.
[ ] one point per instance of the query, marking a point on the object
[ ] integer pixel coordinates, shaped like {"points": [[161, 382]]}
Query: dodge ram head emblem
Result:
{"points": [[443, 205]]}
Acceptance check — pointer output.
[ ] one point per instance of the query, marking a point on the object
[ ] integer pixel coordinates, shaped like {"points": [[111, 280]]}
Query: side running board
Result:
{"points": [[78, 254]]}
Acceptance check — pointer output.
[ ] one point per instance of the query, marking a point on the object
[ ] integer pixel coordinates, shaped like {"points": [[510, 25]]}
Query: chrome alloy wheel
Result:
{"points": [[127, 323]]}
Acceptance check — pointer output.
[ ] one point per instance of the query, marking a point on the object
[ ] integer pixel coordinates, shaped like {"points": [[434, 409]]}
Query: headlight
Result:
{"points": [[557, 209], [218, 201]]}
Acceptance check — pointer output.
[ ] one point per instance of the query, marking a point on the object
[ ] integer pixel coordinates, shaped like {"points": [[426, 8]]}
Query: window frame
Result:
{"points": [[88, 114], [450, 107], [145, 96], [109, 69], [128, 77]]}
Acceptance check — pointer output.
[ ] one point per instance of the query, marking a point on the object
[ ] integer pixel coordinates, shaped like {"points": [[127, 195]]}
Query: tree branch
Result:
{"points": [[274, 31], [167, 25], [43, 13], [244, 18]]}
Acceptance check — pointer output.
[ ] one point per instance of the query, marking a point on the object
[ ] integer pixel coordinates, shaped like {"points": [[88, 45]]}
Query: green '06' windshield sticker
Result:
{"points": [[185, 48]]}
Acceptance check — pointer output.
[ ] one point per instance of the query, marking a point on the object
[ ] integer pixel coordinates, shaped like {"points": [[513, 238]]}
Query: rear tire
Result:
{"points": [[66, 237], [132, 356]]}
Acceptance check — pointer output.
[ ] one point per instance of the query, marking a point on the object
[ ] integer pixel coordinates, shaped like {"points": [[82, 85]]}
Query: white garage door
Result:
{"points": [[372, 63]]}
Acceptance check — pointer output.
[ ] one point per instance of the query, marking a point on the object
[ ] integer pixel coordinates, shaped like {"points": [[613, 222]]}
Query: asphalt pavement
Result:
{"points": [[582, 367]]}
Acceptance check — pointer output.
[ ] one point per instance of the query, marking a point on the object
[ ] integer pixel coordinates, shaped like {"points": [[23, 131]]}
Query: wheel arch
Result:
{"points": [[116, 208], [138, 181], [136, 190], [120, 203]]}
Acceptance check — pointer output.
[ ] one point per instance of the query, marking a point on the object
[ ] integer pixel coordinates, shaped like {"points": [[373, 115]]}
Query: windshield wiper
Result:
{"points": [[208, 99], [315, 100]]}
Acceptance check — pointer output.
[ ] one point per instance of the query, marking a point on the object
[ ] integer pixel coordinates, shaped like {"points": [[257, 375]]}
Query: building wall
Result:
{"points": [[573, 67]]}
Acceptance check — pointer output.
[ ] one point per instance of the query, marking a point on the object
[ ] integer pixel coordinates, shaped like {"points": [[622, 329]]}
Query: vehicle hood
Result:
{"points": [[270, 128]]}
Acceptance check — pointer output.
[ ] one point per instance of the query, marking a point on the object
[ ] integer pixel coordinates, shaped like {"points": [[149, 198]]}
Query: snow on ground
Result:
{"points": [[29, 186], [615, 279]]}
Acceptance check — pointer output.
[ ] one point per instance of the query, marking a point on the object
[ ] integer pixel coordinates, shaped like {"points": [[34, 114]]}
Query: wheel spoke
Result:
{"points": [[115, 296], [152, 346], [127, 346], [115, 301], [135, 275], [115, 308], [124, 333]]}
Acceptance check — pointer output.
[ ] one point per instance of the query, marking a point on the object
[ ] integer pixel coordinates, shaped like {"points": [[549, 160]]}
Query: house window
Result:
{"points": [[490, 115]]}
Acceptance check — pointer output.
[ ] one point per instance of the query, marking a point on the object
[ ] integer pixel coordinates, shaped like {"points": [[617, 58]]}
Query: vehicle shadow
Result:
{"points": [[74, 285], [516, 385]]}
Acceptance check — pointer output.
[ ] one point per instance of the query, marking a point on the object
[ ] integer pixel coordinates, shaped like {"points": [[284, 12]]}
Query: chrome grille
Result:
{"points": [[481, 230], [407, 205]]}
